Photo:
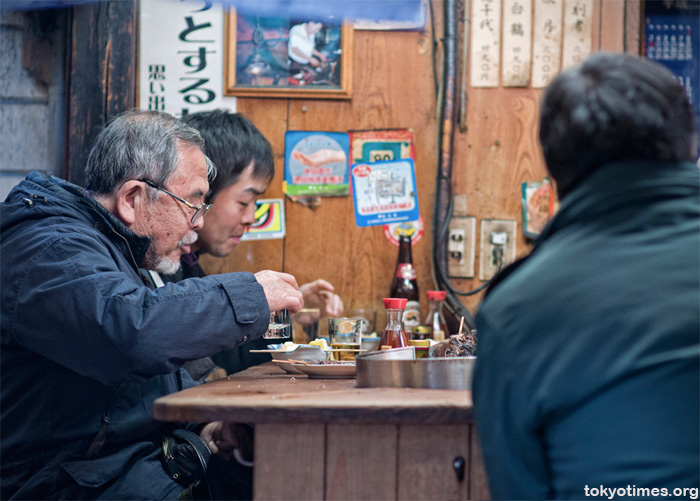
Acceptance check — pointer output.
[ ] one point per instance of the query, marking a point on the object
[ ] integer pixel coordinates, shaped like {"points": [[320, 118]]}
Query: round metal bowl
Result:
{"points": [[448, 373]]}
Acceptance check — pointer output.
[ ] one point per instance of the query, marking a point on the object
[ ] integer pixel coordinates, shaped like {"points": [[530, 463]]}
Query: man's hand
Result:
{"points": [[319, 294], [281, 291], [223, 437]]}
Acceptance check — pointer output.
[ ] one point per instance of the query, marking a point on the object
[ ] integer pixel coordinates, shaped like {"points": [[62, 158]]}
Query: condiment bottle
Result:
{"points": [[421, 333], [422, 347], [405, 284], [435, 320], [394, 334]]}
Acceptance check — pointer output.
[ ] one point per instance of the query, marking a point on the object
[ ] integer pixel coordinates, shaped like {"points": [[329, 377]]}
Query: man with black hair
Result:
{"points": [[245, 167], [587, 376]]}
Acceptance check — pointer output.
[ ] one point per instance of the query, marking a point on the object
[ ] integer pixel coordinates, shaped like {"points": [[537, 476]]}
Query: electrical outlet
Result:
{"points": [[497, 242], [460, 247]]}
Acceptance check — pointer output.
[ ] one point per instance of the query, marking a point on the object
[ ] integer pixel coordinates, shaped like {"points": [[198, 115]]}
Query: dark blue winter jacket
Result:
{"points": [[87, 347]]}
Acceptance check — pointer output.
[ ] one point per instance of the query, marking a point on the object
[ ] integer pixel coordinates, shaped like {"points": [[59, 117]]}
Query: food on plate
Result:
{"points": [[457, 345], [320, 342], [330, 362]]}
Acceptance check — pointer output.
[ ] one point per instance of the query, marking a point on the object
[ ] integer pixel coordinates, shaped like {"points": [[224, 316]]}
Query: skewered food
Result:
{"points": [[457, 345]]}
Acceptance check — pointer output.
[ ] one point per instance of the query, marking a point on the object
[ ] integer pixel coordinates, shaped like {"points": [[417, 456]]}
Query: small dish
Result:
{"points": [[370, 343], [327, 371]]}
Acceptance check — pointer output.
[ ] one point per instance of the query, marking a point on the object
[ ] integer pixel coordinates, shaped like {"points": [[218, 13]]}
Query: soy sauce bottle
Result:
{"points": [[405, 284], [435, 321], [394, 334]]}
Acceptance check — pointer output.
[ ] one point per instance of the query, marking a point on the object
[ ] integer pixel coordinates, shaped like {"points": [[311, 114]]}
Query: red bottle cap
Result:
{"points": [[395, 303], [439, 295]]}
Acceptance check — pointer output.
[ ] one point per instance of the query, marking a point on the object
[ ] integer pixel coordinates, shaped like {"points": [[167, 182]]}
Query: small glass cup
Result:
{"points": [[345, 335], [279, 325], [368, 317], [305, 325]]}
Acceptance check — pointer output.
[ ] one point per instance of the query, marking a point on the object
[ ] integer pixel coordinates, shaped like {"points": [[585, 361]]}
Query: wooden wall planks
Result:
{"points": [[393, 88]]}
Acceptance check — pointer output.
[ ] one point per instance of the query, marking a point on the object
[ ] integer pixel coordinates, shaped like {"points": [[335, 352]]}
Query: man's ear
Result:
{"points": [[130, 200]]}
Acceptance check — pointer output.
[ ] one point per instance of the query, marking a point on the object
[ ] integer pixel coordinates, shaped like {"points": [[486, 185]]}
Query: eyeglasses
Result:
{"points": [[198, 211]]}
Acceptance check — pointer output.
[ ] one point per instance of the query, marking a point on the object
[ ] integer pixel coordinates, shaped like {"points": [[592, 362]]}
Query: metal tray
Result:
{"points": [[449, 373]]}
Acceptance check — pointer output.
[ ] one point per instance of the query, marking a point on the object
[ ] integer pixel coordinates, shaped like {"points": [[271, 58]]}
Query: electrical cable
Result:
{"points": [[434, 46], [444, 187], [444, 277]]}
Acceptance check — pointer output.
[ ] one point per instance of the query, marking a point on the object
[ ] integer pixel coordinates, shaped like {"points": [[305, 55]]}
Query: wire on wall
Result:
{"points": [[444, 202]]}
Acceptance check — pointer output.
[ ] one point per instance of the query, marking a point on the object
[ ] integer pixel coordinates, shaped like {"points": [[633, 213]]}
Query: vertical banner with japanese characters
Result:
{"points": [[485, 49], [517, 42], [672, 38], [547, 41], [181, 47], [577, 32]]}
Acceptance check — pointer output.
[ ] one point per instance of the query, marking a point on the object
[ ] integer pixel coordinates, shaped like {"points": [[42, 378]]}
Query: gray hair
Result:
{"points": [[139, 144]]}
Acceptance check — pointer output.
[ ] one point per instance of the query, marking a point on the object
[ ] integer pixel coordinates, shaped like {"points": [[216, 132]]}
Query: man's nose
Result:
{"points": [[249, 214], [198, 223]]}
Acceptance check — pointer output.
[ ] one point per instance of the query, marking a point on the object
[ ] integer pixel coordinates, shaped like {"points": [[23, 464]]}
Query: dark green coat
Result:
{"points": [[587, 368]]}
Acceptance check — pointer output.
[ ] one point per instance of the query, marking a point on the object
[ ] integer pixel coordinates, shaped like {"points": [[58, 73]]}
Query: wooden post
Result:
{"points": [[101, 75]]}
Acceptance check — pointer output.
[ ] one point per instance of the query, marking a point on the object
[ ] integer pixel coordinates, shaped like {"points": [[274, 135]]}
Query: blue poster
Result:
{"points": [[316, 163], [384, 192]]}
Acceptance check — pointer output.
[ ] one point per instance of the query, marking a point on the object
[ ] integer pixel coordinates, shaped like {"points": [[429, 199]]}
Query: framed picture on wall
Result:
{"points": [[282, 57]]}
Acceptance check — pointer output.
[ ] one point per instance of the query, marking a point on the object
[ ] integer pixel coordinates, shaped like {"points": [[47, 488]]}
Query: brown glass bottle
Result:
{"points": [[405, 284]]}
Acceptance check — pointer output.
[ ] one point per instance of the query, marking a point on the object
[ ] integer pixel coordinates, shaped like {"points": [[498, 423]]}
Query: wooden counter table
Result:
{"points": [[328, 439]]}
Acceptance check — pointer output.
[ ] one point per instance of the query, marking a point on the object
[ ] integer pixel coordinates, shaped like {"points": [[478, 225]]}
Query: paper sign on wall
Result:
{"points": [[546, 47], [381, 145], [537, 205], [269, 221], [384, 192], [316, 163], [577, 31], [181, 47], [413, 228]]}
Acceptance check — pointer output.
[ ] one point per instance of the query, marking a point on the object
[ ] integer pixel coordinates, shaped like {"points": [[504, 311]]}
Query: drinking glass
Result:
{"points": [[305, 325], [279, 325], [368, 317], [345, 335]]}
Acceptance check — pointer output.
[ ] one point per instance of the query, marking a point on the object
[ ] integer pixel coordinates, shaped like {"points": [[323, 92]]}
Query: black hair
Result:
{"points": [[232, 142], [613, 107]]}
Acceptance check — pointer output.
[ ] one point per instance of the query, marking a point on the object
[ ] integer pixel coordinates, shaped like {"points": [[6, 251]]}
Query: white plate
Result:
{"points": [[288, 367], [327, 371], [299, 352]]}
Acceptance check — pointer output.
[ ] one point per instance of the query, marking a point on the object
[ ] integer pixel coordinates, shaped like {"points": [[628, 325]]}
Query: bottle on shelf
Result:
{"points": [[435, 321], [405, 284], [394, 334]]}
